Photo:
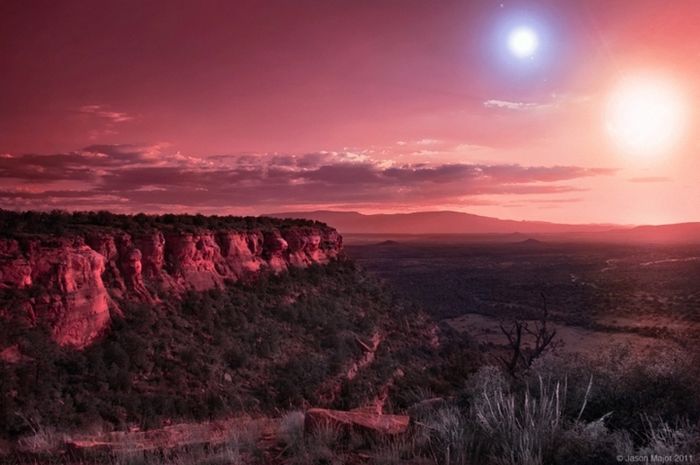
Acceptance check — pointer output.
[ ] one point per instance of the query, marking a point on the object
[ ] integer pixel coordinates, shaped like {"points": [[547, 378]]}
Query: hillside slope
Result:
{"points": [[281, 342], [315, 331]]}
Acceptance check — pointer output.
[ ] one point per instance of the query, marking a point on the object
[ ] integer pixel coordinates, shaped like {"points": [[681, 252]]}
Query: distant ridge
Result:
{"points": [[437, 222], [460, 223], [687, 233]]}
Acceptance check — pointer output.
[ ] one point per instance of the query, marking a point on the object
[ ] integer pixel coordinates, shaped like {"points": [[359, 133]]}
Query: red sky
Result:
{"points": [[251, 107]]}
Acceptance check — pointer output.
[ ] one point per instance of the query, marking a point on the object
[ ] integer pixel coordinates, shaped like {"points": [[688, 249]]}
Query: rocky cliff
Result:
{"points": [[74, 282]]}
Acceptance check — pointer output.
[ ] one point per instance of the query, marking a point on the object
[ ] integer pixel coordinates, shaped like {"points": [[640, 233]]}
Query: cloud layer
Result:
{"points": [[138, 178]]}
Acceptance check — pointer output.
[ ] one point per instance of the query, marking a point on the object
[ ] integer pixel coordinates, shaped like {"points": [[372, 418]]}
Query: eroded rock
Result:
{"points": [[77, 280], [361, 420]]}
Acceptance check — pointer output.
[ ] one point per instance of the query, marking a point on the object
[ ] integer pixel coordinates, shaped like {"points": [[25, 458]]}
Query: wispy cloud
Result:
{"points": [[426, 141], [556, 100], [103, 120], [509, 105], [103, 112]]}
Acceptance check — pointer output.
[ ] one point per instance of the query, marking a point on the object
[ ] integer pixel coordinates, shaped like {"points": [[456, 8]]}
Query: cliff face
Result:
{"points": [[74, 283]]}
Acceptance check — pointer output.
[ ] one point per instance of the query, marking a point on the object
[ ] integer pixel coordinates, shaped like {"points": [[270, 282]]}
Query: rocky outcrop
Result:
{"points": [[69, 292], [76, 281], [276, 248], [242, 252], [195, 260], [15, 270]]}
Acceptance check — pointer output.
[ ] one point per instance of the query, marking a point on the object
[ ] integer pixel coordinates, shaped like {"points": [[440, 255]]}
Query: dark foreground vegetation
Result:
{"points": [[540, 420], [561, 412]]}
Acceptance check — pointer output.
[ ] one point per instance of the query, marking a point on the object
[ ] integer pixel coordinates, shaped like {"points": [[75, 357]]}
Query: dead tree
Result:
{"points": [[522, 355]]}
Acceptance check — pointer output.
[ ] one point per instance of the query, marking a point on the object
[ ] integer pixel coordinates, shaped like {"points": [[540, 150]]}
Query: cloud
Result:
{"points": [[103, 112], [424, 142], [149, 178], [428, 141], [508, 105], [102, 120], [556, 101]]}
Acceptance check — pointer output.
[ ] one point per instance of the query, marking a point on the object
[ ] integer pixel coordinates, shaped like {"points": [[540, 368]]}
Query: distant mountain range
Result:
{"points": [[436, 222], [451, 222]]}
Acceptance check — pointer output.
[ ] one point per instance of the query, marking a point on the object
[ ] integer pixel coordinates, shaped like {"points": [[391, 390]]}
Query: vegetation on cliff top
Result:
{"points": [[13, 223]]}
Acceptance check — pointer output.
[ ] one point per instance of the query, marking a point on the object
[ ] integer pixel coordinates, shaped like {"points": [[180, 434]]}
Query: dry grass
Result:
{"points": [[42, 440], [522, 429], [291, 429], [393, 451], [240, 443], [323, 446], [449, 440], [666, 440]]}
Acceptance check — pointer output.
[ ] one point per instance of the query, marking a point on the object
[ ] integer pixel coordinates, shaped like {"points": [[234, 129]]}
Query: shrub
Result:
{"points": [[322, 447], [661, 385], [291, 429], [586, 443], [663, 439]]}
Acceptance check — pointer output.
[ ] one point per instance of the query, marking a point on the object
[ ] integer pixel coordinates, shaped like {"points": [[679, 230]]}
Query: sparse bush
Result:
{"points": [[627, 386], [585, 443], [451, 440], [322, 447], [665, 440], [291, 429], [488, 378]]}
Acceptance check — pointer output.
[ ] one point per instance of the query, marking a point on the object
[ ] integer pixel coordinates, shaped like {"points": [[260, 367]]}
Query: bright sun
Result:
{"points": [[523, 42], [646, 115]]}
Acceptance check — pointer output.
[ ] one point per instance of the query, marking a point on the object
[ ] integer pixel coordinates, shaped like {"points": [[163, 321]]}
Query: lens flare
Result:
{"points": [[646, 115]]}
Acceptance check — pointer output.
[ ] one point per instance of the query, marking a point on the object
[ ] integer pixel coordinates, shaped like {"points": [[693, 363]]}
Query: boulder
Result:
{"points": [[358, 420]]}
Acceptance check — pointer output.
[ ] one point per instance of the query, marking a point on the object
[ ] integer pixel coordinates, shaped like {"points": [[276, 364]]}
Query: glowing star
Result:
{"points": [[523, 42], [646, 115]]}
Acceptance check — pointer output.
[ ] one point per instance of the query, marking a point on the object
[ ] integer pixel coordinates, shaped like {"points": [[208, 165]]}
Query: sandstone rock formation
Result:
{"points": [[357, 420], [78, 279]]}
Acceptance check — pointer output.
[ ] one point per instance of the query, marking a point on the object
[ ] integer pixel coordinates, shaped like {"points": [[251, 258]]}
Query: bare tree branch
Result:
{"points": [[522, 356]]}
